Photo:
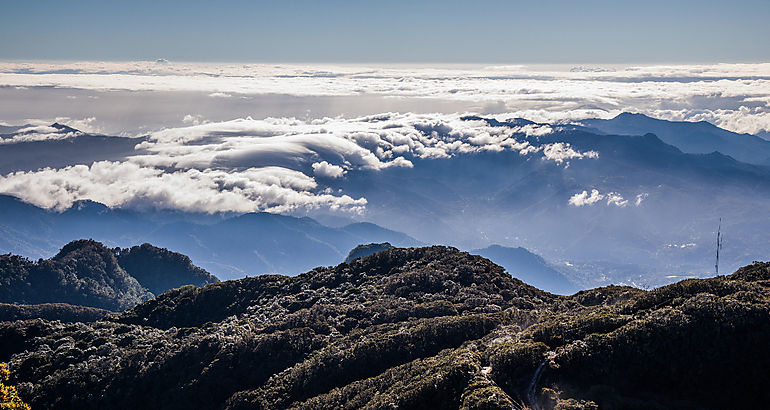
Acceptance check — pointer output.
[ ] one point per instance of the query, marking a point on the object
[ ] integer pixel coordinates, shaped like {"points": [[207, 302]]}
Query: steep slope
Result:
{"points": [[158, 269], [530, 268], [84, 273], [408, 328]]}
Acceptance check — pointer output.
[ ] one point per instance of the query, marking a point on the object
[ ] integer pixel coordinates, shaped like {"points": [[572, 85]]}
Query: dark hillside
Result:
{"points": [[86, 273], [408, 328], [83, 273], [388, 286], [158, 269]]}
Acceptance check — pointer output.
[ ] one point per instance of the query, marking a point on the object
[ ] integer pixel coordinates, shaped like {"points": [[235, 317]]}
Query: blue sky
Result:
{"points": [[547, 31]]}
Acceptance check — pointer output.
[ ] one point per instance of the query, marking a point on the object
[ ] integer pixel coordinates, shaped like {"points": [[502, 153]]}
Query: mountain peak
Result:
{"points": [[87, 205], [629, 115], [159, 269], [64, 128], [701, 137], [362, 251], [80, 246], [84, 272]]}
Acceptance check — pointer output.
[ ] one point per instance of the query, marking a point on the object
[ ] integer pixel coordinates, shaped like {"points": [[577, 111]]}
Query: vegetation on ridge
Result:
{"points": [[86, 273], [407, 328]]}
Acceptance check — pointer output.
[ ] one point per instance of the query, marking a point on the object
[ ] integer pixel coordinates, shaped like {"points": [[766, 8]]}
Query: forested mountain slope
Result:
{"points": [[408, 328], [86, 273]]}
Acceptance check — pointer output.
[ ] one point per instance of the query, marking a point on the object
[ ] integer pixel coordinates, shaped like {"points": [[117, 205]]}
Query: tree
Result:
{"points": [[9, 399]]}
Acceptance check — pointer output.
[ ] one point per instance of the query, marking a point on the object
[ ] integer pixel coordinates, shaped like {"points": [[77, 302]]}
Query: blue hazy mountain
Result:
{"points": [[231, 247], [529, 268], [664, 226], [68, 146], [691, 137]]}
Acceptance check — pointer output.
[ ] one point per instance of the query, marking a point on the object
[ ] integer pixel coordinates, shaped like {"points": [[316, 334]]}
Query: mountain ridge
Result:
{"points": [[699, 137], [86, 273], [207, 240], [405, 327]]}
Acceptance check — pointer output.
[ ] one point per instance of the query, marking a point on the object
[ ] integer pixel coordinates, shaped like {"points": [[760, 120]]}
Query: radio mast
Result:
{"points": [[719, 245]]}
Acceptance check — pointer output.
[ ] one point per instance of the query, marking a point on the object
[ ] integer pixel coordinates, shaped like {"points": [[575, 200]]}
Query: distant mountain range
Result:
{"points": [[642, 209], [643, 212], [62, 147], [158, 269], [691, 137], [232, 247]]}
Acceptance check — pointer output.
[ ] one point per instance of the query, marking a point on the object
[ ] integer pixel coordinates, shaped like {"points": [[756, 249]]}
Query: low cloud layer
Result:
{"points": [[126, 184], [275, 164]]}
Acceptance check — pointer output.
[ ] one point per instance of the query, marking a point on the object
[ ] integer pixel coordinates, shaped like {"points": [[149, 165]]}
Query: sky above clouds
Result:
{"points": [[252, 105], [490, 31]]}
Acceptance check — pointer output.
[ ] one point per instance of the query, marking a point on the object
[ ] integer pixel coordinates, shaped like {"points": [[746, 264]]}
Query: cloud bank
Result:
{"points": [[119, 184], [732, 96], [272, 164]]}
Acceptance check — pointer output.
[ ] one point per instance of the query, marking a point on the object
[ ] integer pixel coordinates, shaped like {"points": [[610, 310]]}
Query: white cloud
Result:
{"points": [[193, 119], [183, 168], [584, 198], [614, 198], [640, 197], [118, 184], [562, 151], [734, 96], [371, 142], [325, 169], [39, 133]]}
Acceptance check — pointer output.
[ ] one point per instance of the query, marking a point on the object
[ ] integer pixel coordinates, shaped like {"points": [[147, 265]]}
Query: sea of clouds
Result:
{"points": [[733, 96], [260, 137], [273, 164]]}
